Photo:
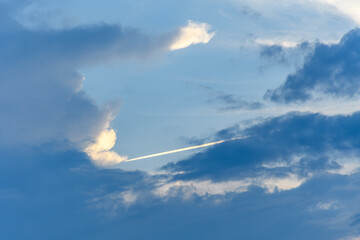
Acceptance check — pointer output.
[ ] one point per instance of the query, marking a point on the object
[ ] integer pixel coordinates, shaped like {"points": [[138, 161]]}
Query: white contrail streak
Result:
{"points": [[185, 149]]}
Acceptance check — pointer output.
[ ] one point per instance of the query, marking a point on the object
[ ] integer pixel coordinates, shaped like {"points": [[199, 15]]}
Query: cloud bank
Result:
{"points": [[296, 143], [267, 177], [82, 201]]}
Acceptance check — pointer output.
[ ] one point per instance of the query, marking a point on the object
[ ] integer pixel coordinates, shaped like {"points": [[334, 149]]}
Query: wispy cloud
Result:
{"points": [[230, 102]]}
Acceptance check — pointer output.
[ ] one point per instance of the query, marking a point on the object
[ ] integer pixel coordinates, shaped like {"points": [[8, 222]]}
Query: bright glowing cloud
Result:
{"points": [[351, 8], [193, 33], [100, 151]]}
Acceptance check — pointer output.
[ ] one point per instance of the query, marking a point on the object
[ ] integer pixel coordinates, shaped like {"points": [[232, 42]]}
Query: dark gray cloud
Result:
{"points": [[40, 86], [331, 70], [312, 139], [50, 193], [286, 55], [63, 196], [273, 52]]}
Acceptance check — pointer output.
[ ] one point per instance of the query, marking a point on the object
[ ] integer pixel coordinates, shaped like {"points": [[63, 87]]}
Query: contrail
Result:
{"points": [[185, 149]]}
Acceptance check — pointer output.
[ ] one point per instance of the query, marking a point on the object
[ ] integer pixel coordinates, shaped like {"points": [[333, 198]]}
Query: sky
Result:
{"points": [[269, 90]]}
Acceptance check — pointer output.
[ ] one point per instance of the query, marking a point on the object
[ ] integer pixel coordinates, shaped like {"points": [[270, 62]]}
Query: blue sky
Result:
{"points": [[87, 85]]}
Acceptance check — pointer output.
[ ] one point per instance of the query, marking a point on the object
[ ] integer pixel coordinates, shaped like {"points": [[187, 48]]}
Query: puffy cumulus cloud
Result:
{"points": [[40, 89], [100, 151], [192, 33], [41, 96], [329, 70]]}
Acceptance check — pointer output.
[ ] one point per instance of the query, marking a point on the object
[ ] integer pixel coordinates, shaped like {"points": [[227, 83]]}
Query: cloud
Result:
{"points": [[54, 190], [350, 8], [70, 198], [272, 51], [231, 102], [238, 212], [291, 163], [41, 94], [193, 33], [200, 188], [326, 205], [206, 188], [301, 144], [100, 152], [278, 184], [330, 70], [282, 43], [286, 55]]}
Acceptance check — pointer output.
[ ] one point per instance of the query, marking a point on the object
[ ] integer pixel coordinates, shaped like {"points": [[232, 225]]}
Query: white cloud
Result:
{"points": [[204, 188], [350, 8], [41, 94], [347, 167], [100, 151], [193, 33], [274, 184]]}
